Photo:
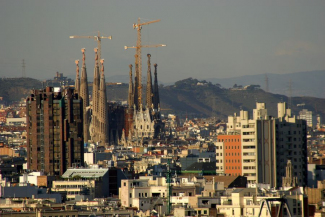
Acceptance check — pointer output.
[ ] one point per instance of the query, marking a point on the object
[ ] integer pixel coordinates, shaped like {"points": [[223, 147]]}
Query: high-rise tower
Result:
{"points": [[54, 130], [84, 94], [136, 83]]}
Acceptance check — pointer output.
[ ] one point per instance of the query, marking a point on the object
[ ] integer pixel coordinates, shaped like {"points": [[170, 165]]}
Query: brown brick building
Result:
{"points": [[54, 130]]}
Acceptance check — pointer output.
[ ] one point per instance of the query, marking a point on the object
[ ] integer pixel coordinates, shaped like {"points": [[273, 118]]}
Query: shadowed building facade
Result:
{"points": [[54, 130]]}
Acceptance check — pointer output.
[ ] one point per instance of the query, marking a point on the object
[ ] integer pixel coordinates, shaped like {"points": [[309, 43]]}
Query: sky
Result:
{"points": [[205, 39]]}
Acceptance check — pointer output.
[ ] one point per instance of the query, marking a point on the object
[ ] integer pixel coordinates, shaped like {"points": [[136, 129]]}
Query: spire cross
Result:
{"points": [[83, 57]]}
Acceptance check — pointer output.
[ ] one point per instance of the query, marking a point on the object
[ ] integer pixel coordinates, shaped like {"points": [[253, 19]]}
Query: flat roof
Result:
{"points": [[85, 173]]}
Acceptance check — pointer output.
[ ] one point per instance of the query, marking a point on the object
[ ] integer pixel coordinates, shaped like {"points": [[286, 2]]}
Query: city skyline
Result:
{"points": [[204, 39]]}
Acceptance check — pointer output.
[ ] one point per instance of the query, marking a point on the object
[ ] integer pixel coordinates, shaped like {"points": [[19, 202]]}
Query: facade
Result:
{"points": [[267, 144], [54, 130], [146, 121], [231, 146], [99, 119], [245, 202], [140, 193], [107, 181], [306, 115]]}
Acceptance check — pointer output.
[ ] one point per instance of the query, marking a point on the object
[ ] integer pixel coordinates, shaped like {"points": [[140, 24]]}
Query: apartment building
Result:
{"points": [[266, 146], [54, 130]]}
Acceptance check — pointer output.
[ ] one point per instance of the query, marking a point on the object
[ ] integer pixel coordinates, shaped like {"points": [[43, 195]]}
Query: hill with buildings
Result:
{"points": [[201, 98], [189, 97]]}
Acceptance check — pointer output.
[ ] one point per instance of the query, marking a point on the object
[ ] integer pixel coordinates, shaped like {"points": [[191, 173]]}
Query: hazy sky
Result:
{"points": [[205, 38]]}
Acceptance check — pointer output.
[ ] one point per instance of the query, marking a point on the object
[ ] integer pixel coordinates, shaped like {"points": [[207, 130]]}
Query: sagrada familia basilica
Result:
{"points": [[106, 123]]}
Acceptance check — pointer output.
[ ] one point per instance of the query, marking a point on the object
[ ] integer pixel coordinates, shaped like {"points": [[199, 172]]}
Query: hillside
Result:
{"points": [[13, 89], [189, 97], [186, 97]]}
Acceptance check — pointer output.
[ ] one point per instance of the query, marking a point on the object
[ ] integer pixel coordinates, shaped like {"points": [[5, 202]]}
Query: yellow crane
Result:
{"points": [[97, 38], [138, 26]]}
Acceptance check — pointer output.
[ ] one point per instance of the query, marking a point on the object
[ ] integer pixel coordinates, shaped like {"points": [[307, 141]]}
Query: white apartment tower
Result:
{"points": [[268, 143]]}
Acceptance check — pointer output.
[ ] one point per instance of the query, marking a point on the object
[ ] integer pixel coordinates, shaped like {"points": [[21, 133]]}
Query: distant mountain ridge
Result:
{"points": [[310, 83], [302, 83], [188, 97]]}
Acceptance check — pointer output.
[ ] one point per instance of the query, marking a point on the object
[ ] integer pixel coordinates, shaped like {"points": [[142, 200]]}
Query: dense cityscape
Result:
{"points": [[84, 144], [67, 150]]}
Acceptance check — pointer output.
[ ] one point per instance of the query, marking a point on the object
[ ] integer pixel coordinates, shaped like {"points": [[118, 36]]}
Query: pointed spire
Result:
{"points": [[156, 100], [95, 96], [84, 94], [149, 84], [77, 81], [136, 83], [102, 114], [130, 95]]}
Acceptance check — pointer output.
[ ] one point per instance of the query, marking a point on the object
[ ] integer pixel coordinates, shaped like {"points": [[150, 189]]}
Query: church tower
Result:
{"points": [[136, 83], [156, 101], [149, 85], [77, 81], [84, 94], [95, 94], [102, 108], [130, 94]]}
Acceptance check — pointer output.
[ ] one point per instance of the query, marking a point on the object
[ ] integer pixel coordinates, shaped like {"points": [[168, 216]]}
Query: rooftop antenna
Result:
{"points": [[290, 93], [24, 67], [266, 83]]}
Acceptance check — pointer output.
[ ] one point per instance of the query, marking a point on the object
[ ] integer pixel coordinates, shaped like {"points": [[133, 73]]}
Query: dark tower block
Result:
{"points": [[54, 130]]}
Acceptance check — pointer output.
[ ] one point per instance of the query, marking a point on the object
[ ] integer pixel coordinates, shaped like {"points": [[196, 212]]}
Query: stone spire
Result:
{"points": [[77, 81], [96, 81], [289, 180], [156, 101], [136, 83], [84, 94], [102, 108], [130, 95], [149, 85]]}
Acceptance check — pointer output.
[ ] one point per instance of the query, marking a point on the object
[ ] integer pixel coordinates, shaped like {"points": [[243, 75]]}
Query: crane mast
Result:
{"points": [[138, 47], [97, 38]]}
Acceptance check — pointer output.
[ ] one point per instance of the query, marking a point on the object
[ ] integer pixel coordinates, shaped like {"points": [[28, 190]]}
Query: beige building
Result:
{"points": [[244, 202], [267, 145], [142, 193], [85, 189]]}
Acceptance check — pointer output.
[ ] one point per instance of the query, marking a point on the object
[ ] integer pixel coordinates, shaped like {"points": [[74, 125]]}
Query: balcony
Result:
{"points": [[229, 202]]}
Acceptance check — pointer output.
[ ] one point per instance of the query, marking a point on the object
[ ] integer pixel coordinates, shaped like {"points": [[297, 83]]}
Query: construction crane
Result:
{"points": [[97, 38], [138, 26]]}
